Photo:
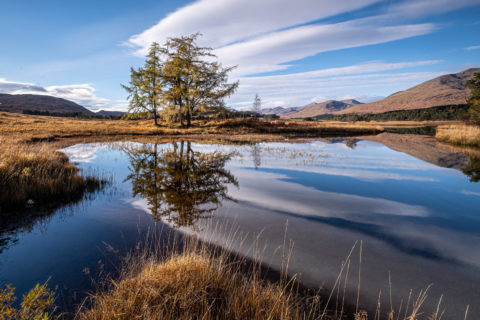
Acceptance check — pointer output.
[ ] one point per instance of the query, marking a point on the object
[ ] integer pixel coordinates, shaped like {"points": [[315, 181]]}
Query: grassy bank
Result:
{"points": [[33, 128], [32, 175], [198, 283], [465, 135]]}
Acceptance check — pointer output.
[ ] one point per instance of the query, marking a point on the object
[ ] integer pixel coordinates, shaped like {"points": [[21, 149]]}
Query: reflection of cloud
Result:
{"points": [[470, 193], [269, 191], [83, 153], [139, 203]]}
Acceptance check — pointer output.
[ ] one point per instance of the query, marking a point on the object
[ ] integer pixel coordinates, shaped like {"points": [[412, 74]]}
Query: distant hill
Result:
{"points": [[449, 89], [39, 103], [326, 107], [110, 113], [281, 111]]}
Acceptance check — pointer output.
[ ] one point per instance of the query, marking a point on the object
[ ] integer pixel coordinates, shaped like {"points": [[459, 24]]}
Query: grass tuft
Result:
{"points": [[195, 284], [33, 175], [466, 135]]}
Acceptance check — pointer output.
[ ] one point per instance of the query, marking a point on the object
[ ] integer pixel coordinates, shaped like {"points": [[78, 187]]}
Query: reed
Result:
{"points": [[196, 283], [33, 175], [205, 282], [466, 135]]}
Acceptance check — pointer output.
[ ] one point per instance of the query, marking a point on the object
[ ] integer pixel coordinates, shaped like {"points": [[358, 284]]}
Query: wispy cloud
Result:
{"points": [[83, 94], [227, 22], [472, 48], [271, 35], [242, 35], [271, 52], [332, 83]]}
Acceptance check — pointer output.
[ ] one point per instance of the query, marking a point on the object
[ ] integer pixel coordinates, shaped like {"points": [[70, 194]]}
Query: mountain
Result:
{"points": [[326, 107], [110, 113], [31, 102], [281, 111], [448, 89]]}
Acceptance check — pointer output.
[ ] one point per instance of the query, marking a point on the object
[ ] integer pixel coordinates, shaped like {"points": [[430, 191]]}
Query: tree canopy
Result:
{"points": [[179, 79], [474, 101], [145, 89]]}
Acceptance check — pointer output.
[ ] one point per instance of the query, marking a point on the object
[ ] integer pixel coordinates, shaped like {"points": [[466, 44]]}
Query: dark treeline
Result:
{"points": [[451, 112], [69, 114]]}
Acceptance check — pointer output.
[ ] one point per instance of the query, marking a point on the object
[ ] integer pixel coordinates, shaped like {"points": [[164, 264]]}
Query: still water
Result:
{"points": [[411, 202]]}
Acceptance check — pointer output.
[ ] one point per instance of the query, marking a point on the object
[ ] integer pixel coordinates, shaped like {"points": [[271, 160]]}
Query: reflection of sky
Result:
{"points": [[413, 205], [371, 188], [417, 220], [82, 153]]}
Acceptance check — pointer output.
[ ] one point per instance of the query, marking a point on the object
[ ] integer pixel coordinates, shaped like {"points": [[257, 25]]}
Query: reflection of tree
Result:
{"points": [[351, 143], [179, 183], [257, 156], [473, 168]]}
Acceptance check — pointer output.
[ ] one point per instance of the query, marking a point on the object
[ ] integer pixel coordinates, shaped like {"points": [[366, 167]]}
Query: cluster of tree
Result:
{"points": [[179, 80], [178, 183], [474, 101], [452, 112], [69, 114]]}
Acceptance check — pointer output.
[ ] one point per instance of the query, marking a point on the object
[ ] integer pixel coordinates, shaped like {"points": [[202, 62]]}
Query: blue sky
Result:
{"points": [[289, 52]]}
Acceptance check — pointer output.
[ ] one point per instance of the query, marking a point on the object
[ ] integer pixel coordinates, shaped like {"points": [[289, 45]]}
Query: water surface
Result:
{"points": [[415, 211]]}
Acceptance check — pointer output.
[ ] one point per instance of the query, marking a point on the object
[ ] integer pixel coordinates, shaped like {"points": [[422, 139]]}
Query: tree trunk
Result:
{"points": [[155, 117], [189, 118]]}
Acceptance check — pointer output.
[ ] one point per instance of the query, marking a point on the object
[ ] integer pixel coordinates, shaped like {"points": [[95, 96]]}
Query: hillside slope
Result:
{"points": [[281, 111], [326, 107], [22, 102], [449, 89]]}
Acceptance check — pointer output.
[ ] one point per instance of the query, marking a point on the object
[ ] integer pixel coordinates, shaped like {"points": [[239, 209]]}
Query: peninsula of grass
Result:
{"points": [[462, 134], [37, 175]]}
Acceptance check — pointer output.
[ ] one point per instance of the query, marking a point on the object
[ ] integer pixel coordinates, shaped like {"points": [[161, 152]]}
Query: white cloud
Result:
{"points": [[83, 94], [271, 52], [225, 22], [260, 37], [319, 85], [472, 48], [415, 8], [269, 35]]}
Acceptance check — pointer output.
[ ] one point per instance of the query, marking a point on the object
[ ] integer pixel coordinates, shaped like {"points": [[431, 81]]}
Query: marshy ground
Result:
{"points": [[194, 283]]}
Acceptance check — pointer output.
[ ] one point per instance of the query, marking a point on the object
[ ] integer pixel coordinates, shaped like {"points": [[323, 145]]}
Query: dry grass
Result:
{"points": [[41, 128], [196, 284], [37, 174], [467, 135]]}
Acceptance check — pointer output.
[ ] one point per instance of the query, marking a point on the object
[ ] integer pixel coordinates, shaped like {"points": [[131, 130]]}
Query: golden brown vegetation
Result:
{"points": [[38, 303], [467, 135], [37, 174], [42, 128], [196, 284]]}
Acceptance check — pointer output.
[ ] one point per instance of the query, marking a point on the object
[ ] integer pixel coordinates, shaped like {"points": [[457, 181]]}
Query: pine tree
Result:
{"points": [[145, 90], [193, 82], [474, 101]]}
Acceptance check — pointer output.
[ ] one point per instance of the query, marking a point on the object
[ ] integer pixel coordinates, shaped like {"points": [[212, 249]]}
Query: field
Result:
{"points": [[31, 128]]}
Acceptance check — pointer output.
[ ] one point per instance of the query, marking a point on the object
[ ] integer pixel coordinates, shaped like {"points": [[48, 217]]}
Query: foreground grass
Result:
{"points": [[38, 175], [200, 282], [194, 286], [197, 283], [466, 135]]}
